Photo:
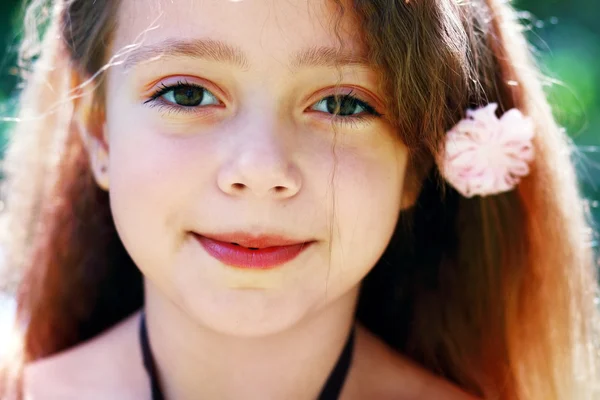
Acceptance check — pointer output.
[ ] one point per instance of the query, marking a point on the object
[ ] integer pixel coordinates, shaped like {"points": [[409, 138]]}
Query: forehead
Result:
{"points": [[262, 30]]}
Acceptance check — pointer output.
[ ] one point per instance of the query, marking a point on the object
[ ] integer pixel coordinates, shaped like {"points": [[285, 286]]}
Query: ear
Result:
{"points": [[410, 192], [89, 120], [416, 171]]}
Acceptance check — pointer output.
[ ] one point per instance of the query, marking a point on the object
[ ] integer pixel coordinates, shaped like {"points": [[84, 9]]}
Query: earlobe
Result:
{"points": [[410, 193], [98, 154], [416, 172], [91, 127], [97, 150]]}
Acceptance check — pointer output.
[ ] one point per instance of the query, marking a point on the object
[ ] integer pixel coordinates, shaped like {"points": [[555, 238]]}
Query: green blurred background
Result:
{"points": [[564, 33]]}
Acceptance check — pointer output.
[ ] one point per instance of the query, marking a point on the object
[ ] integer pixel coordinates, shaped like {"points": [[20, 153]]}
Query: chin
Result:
{"points": [[246, 313]]}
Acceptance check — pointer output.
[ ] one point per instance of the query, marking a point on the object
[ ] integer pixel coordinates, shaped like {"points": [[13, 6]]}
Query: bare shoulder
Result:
{"points": [[383, 373], [107, 366]]}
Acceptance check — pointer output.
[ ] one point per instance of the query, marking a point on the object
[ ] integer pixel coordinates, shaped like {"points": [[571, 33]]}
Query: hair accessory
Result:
{"points": [[486, 155]]}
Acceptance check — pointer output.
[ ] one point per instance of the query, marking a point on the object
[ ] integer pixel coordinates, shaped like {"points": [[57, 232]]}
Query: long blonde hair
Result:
{"points": [[499, 301]]}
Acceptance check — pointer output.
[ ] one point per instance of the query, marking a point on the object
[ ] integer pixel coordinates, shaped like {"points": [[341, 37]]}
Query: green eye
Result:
{"points": [[189, 96], [183, 96], [343, 106]]}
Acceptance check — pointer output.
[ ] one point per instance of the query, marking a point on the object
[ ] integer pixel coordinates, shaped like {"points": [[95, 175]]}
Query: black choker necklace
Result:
{"points": [[331, 390]]}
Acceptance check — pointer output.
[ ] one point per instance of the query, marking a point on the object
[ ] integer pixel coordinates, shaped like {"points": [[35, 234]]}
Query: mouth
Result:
{"points": [[252, 252]]}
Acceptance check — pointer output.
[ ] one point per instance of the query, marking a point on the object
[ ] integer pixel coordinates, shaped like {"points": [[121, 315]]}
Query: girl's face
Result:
{"points": [[223, 122]]}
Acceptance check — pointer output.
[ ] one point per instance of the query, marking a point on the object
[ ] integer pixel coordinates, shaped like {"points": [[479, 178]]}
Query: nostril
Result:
{"points": [[279, 189], [238, 186]]}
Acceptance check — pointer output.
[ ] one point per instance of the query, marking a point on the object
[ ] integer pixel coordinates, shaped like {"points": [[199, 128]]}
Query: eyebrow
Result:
{"points": [[220, 51]]}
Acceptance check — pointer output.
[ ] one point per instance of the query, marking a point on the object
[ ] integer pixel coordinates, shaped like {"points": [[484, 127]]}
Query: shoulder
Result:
{"points": [[107, 366], [383, 373]]}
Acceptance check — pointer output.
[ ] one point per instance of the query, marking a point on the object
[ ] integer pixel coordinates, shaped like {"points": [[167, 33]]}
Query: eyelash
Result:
{"points": [[156, 101]]}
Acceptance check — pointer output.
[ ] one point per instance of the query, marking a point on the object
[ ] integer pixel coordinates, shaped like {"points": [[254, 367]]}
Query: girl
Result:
{"points": [[362, 199]]}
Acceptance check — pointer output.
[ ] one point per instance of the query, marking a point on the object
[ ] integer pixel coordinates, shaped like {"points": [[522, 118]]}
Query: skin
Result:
{"points": [[377, 372], [260, 155]]}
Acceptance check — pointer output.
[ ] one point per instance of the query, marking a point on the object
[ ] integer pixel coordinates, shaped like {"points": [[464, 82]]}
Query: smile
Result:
{"points": [[253, 252]]}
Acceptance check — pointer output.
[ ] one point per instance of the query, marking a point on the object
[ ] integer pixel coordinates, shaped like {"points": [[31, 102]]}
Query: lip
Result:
{"points": [[243, 250]]}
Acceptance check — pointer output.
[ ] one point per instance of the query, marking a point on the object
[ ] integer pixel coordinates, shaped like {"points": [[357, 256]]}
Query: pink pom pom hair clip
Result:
{"points": [[485, 155]]}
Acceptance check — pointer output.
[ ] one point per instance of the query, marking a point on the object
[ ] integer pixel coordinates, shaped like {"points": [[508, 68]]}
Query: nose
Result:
{"points": [[260, 167]]}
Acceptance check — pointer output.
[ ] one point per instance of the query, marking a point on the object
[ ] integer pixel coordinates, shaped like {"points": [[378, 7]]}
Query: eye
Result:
{"points": [[344, 106], [189, 96], [184, 95]]}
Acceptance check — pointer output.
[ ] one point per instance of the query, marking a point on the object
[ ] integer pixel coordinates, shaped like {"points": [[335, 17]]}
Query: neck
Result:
{"points": [[194, 361]]}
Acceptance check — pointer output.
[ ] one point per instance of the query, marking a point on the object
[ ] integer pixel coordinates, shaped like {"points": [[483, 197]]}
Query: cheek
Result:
{"points": [[152, 177], [365, 208]]}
